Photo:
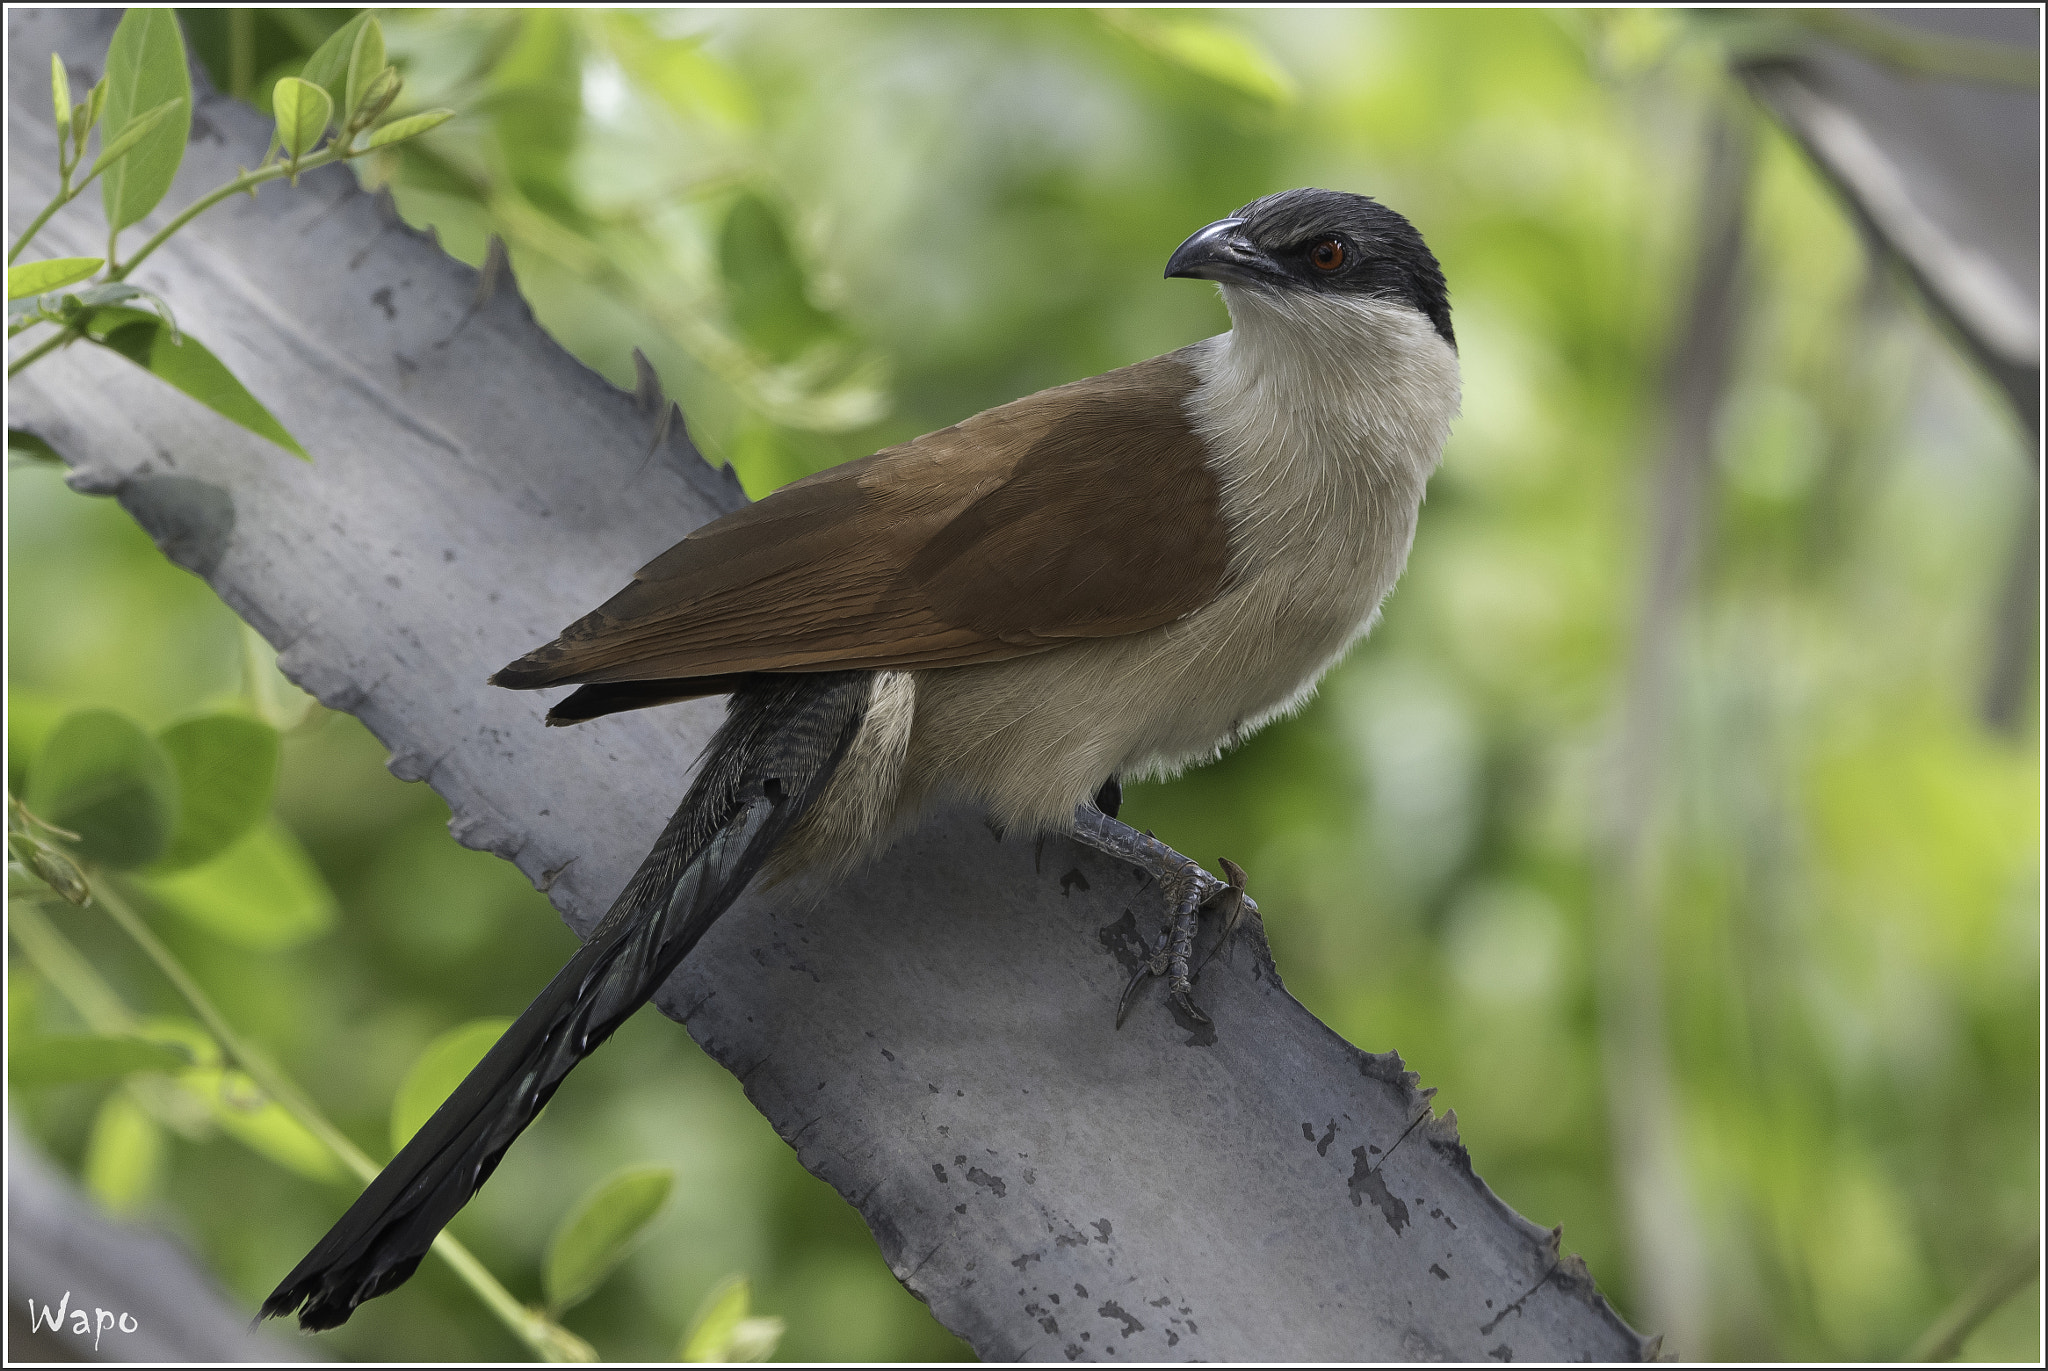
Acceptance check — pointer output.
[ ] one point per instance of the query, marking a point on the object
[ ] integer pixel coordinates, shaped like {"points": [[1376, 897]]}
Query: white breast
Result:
{"points": [[1327, 415], [1324, 419]]}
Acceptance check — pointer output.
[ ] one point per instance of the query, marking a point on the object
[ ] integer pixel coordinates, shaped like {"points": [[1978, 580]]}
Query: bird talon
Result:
{"points": [[1123, 1004], [1239, 902], [1189, 890]]}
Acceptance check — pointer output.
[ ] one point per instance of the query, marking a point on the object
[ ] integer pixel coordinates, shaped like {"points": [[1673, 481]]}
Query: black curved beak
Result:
{"points": [[1221, 252]]}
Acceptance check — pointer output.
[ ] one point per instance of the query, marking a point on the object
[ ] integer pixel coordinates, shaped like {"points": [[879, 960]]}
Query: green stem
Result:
{"points": [[248, 180], [49, 344], [62, 965], [535, 1329], [2012, 1275], [549, 1341], [260, 1071], [63, 198]]}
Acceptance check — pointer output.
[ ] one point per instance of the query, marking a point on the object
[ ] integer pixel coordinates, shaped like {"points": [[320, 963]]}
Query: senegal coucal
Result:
{"points": [[1111, 579]]}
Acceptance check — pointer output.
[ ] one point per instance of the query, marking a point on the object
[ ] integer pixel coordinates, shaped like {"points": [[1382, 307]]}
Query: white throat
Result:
{"points": [[1326, 411], [1365, 380]]}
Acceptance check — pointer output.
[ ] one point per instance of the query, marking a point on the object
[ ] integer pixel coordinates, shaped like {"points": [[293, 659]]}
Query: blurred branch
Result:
{"points": [[2020, 1268], [63, 1247], [1945, 175], [1781, 35], [1921, 53], [241, 52], [1663, 1227], [2016, 624], [1942, 175]]}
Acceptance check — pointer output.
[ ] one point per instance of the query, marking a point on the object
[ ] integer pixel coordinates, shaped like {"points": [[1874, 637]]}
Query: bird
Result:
{"points": [[1108, 580]]}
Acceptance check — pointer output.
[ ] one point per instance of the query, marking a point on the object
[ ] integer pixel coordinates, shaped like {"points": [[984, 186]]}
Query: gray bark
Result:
{"points": [[144, 1297], [934, 1038]]}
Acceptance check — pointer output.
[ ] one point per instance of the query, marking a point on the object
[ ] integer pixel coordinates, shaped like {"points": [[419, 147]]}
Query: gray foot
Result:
{"points": [[1189, 890]]}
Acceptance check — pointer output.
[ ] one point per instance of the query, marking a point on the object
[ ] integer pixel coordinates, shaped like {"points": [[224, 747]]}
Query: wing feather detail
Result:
{"points": [[1079, 512]]}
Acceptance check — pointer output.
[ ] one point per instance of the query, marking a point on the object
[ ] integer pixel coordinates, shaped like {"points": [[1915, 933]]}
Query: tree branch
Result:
{"points": [[934, 1037]]}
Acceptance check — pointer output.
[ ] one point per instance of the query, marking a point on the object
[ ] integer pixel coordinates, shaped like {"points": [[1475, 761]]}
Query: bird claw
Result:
{"points": [[1191, 890], [1232, 890], [1123, 1003], [1173, 954]]}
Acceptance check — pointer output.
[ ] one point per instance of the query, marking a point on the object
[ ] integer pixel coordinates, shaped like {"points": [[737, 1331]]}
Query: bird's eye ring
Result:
{"points": [[1327, 255]]}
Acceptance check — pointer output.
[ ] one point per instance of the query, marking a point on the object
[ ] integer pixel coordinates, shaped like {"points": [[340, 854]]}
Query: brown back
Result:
{"points": [[1079, 512]]}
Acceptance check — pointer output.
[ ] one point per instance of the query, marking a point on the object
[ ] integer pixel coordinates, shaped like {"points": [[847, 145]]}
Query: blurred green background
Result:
{"points": [[832, 230]]}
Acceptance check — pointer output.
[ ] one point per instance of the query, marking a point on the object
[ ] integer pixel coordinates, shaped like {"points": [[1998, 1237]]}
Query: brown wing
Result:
{"points": [[1084, 511]]}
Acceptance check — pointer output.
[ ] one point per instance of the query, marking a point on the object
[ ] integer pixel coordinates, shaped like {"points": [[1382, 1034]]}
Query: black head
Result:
{"points": [[1327, 241]]}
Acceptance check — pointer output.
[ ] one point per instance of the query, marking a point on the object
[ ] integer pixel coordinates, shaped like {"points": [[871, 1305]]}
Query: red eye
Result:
{"points": [[1327, 255]]}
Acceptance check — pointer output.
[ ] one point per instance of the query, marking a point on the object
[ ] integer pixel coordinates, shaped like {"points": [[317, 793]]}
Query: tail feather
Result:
{"points": [[611, 697], [783, 737]]}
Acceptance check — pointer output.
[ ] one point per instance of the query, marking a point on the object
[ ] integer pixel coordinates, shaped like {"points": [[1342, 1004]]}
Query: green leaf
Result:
{"points": [[118, 292], [24, 996], [1223, 55], [718, 1314], [600, 1231], [695, 84], [328, 66], [60, 96], [148, 342], [33, 278], [124, 1155], [262, 1124], [131, 137], [365, 63], [767, 288], [438, 1071], [376, 99], [32, 716], [263, 892], [36, 1059], [303, 112], [86, 121], [227, 769], [106, 780], [145, 68], [723, 1331], [411, 126], [755, 1338]]}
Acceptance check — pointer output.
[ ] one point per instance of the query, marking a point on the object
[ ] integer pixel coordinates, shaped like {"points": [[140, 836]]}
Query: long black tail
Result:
{"points": [[782, 739]]}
